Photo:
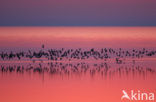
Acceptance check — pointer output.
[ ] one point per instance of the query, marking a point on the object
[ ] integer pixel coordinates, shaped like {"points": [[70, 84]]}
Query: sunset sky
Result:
{"points": [[77, 13]]}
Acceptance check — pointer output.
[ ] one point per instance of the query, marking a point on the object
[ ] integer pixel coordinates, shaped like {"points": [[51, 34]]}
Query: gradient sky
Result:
{"points": [[77, 12]]}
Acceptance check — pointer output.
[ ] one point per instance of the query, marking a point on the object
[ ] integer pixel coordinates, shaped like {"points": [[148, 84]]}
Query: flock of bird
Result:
{"points": [[78, 54], [57, 56]]}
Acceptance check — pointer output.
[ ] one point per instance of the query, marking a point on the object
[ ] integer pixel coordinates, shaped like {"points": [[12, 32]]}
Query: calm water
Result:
{"points": [[100, 75]]}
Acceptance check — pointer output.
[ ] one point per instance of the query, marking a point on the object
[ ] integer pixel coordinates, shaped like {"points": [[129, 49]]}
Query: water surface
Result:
{"points": [[92, 79]]}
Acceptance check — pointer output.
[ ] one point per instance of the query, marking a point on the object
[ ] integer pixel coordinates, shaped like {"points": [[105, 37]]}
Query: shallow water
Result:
{"points": [[76, 80]]}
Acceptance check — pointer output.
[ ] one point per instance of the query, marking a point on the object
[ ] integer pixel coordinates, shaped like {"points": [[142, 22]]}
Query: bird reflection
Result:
{"points": [[58, 68]]}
